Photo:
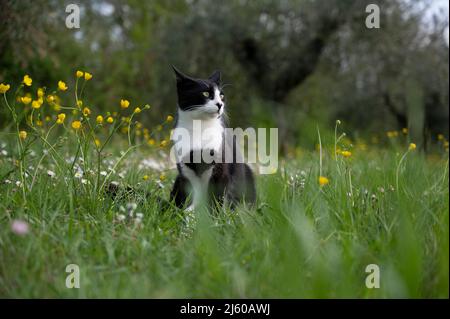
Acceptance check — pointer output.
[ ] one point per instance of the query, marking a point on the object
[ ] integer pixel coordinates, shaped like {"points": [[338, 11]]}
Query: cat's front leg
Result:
{"points": [[180, 191]]}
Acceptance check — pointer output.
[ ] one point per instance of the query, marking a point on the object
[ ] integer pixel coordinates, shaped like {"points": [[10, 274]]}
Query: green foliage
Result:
{"points": [[300, 61]]}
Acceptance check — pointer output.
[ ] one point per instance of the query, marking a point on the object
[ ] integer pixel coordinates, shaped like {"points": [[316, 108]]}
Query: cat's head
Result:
{"points": [[202, 98]]}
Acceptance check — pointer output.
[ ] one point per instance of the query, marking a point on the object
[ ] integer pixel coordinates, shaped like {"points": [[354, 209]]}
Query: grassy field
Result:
{"points": [[387, 206], [303, 240]]}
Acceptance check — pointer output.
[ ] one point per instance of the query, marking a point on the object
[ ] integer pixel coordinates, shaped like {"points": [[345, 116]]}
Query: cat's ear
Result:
{"points": [[183, 79], [215, 77], [180, 76]]}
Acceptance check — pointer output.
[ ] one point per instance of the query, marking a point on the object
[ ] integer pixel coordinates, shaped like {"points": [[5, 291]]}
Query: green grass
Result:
{"points": [[300, 241]]}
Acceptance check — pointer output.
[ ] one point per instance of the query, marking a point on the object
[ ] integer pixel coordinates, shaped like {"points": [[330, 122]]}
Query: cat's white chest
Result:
{"points": [[193, 134], [199, 185], [196, 134]]}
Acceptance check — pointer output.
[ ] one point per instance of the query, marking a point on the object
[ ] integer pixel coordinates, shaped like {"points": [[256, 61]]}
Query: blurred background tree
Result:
{"points": [[291, 64]]}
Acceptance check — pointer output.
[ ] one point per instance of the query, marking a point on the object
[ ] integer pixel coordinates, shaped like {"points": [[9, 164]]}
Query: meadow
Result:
{"points": [[320, 219]]}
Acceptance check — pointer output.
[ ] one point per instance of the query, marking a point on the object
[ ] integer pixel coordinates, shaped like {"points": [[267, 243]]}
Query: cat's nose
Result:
{"points": [[219, 105]]}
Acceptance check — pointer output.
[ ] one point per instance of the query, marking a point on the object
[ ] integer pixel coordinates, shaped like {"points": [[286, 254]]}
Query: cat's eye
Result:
{"points": [[205, 94]]}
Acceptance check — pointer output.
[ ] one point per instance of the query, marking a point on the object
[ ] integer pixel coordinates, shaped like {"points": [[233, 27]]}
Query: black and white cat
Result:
{"points": [[202, 101]]}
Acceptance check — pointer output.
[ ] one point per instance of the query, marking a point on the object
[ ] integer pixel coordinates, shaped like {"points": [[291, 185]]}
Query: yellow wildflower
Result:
{"points": [[346, 153], [151, 142], [80, 103], [405, 130], [162, 177], [36, 104], [25, 100], [392, 134], [61, 118], [76, 125], [99, 119], [412, 146], [145, 177], [124, 104], [39, 123], [79, 74], [27, 80], [86, 111], [40, 92], [163, 143], [87, 76], [323, 181], [48, 118], [62, 86], [50, 98], [440, 137], [137, 110], [97, 142], [4, 88], [169, 118], [109, 119], [23, 135], [138, 125]]}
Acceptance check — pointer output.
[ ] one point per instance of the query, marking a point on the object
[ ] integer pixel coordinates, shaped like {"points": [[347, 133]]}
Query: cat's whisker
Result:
{"points": [[192, 107]]}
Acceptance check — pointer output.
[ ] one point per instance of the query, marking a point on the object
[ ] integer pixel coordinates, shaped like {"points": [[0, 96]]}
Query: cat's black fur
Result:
{"points": [[229, 182]]}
